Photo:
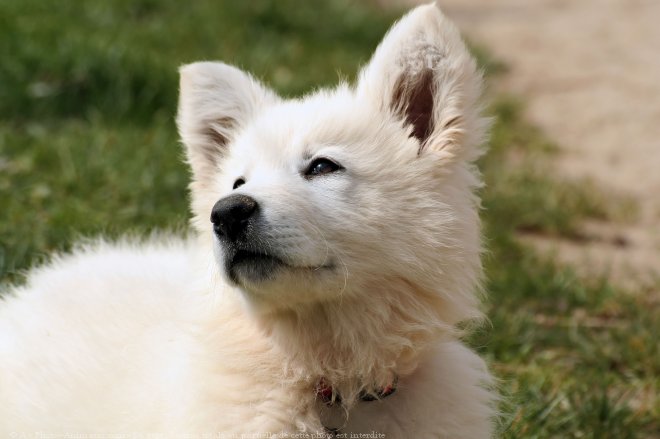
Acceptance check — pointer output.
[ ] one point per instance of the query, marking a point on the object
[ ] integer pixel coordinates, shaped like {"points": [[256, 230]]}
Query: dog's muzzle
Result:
{"points": [[236, 220]]}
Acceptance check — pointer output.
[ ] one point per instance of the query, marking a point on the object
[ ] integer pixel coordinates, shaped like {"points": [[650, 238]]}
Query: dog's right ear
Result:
{"points": [[216, 100]]}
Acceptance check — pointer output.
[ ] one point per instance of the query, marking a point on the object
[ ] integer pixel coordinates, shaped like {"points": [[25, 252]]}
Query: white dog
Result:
{"points": [[321, 298]]}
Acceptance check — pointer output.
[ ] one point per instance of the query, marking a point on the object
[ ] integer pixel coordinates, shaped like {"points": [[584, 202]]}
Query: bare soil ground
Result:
{"points": [[589, 72]]}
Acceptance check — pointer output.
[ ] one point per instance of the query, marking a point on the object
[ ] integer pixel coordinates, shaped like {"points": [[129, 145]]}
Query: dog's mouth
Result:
{"points": [[253, 266], [248, 256]]}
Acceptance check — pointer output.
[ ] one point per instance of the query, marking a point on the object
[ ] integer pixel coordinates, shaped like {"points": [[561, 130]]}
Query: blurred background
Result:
{"points": [[588, 71], [88, 146]]}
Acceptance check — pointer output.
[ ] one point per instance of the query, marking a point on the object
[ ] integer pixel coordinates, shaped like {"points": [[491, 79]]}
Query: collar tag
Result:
{"points": [[327, 395]]}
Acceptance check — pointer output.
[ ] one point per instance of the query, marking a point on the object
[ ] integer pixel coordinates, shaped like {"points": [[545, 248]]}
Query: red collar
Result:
{"points": [[325, 392]]}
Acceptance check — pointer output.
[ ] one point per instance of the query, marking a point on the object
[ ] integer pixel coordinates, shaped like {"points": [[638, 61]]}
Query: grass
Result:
{"points": [[576, 358], [88, 146]]}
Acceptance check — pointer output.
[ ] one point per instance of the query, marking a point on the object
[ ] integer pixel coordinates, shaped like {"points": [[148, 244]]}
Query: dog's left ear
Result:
{"points": [[423, 73], [216, 101]]}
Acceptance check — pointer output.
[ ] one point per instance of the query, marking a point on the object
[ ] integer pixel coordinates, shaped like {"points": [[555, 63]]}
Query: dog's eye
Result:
{"points": [[321, 166], [238, 183]]}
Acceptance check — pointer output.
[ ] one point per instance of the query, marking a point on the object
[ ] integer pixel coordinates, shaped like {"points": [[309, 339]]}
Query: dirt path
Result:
{"points": [[590, 73]]}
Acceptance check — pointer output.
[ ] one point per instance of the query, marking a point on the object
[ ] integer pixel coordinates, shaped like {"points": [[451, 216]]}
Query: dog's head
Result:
{"points": [[346, 190]]}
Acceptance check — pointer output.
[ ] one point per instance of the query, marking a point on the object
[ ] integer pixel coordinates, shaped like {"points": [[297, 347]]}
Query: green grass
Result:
{"points": [[576, 358], [88, 147]]}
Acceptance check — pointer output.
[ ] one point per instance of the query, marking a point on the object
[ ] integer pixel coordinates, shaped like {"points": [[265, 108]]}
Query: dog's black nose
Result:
{"points": [[230, 215]]}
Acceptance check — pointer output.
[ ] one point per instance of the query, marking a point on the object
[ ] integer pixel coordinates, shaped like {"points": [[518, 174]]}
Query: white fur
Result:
{"points": [[383, 261]]}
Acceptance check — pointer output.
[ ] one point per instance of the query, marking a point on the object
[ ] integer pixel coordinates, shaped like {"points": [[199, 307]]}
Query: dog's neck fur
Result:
{"points": [[359, 342]]}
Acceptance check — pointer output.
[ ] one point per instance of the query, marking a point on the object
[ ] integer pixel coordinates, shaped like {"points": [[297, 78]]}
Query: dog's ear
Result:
{"points": [[423, 73], [216, 100]]}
